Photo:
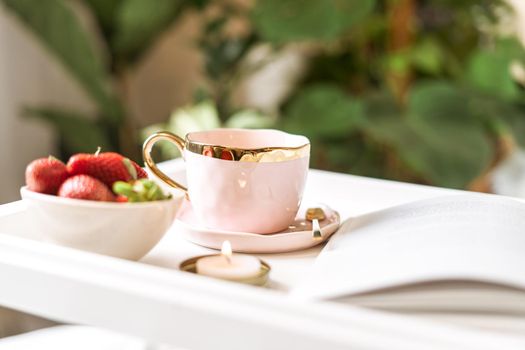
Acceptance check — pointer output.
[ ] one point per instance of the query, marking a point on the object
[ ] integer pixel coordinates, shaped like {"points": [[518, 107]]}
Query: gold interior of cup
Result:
{"points": [[260, 155]]}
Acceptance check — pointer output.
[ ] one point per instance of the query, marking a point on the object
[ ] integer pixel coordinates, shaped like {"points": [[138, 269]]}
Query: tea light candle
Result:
{"points": [[228, 266]]}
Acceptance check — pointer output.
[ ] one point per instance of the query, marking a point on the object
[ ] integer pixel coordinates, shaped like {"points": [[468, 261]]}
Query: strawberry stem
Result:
{"points": [[139, 191]]}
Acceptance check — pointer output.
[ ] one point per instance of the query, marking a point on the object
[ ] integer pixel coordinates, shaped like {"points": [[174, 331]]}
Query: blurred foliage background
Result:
{"points": [[427, 91]]}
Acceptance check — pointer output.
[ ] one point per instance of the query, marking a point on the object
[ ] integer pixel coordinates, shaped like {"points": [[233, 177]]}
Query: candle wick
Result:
{"points": [[228, 259]]}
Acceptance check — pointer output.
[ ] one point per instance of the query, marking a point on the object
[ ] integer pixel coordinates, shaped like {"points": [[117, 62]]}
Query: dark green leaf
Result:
{"points": [[77, 132], [353, 12], [199, 4], [223, 55], [455, 148], [323, 110], [139, 22], [451, 154], [57, 27], [288, 20], [438, 100], [442, 153], [352, 155], [439, 139], [105, 12], [499, 116], [514, 119]]}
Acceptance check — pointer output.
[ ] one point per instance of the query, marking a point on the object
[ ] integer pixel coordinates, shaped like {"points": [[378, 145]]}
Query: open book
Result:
{"points": [[458, 257]]}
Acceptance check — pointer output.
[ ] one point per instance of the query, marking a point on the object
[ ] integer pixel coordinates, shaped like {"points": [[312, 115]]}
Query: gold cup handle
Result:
{"points": [[150, 163]]}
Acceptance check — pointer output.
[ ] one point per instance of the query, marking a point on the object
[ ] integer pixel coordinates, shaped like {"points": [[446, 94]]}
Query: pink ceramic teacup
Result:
{"points": [[240, 180]]}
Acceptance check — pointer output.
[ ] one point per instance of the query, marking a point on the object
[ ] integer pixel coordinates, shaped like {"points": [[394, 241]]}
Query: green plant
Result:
{"points": [[127, 29], [420, 91], [416, 90]]}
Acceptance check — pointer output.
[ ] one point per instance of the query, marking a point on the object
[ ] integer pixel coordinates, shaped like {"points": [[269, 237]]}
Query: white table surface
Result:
{"points": [[349, 195], [153, 300]]}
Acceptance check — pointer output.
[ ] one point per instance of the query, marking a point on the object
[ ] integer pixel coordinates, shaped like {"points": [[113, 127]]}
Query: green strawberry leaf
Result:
{"points": [[142, 190]]}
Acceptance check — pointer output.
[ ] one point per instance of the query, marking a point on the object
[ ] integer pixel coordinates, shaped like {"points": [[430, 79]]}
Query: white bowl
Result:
{"points": [[123, 230]]}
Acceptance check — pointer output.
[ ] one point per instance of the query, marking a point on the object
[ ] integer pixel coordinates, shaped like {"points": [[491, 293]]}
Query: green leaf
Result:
{"points": [[323, 111], [398, 62], [513, 119], [57, 27], [438, 138], [428, 56], [452, 154], [438, 100], [353, 12], [105, 12], [490, 72], [249, 119], [501, 117], [77, 132], [352, 155], [139, 22], [453, 139], [289, 20], [512, 48], [199, 117], [443, 153]]}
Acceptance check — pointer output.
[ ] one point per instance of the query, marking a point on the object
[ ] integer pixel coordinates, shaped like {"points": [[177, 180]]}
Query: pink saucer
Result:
{"points": [[298, 236]]}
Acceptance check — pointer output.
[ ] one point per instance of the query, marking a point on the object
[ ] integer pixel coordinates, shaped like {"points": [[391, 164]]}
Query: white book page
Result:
{"points": [[464, 237], [446, 296]]}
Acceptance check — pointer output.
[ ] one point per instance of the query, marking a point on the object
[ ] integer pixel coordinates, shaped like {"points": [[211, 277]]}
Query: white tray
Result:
{"points": [[152, 299]]}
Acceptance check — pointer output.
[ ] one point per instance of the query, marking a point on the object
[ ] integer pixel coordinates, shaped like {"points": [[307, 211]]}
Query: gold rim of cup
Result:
{"points": [[261, 155]]}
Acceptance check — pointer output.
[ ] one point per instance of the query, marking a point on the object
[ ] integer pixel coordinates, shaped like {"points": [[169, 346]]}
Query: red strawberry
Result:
{"points": [[226, 155], [207, 151], [121, 199], [141, 173], [85, 187], [45, 175], [108, 167]]}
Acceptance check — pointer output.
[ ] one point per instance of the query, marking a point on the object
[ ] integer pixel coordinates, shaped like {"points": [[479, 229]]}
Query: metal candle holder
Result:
{"points": [[190, 265]]}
